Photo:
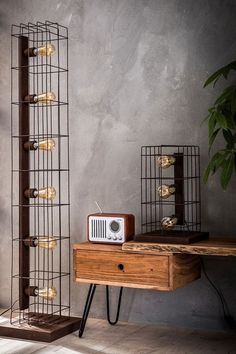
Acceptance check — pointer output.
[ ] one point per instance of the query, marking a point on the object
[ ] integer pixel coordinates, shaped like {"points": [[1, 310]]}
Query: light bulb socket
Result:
{"points": [[31, 242], [30, 145], [30, 99], [31, 193], [31, 291], [30, 52]]}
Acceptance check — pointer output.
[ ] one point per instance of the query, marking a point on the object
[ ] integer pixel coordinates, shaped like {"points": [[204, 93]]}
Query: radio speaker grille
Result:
{"points": [[98, 228]]}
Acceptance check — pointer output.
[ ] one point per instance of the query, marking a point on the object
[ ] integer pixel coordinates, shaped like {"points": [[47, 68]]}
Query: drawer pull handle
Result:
{"points": [[121, 266]]}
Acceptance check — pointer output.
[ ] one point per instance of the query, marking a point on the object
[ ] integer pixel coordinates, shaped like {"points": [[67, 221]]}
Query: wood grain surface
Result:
{"points": [[184, 269], [109, 265], [122, 269], [211, 247]]}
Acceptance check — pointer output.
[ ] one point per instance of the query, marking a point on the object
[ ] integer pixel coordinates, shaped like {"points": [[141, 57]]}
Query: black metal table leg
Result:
{"points": [[87, 306], [118, 306]]}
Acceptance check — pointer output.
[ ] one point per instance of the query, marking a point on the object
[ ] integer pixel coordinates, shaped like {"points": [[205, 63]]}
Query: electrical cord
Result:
{"points": [[227, 316], [9, 308]]}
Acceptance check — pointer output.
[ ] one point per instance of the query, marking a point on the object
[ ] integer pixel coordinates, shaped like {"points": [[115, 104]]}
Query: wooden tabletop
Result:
{"points": [[211, 247]]}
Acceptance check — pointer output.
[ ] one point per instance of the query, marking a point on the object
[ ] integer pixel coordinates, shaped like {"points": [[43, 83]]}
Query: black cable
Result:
{"points": [[227, 316], [9, 308]]}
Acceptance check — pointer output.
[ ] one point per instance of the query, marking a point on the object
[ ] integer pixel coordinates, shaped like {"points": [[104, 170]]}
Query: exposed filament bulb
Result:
{"points": [[45, 50], [44, 193], [49, 243], [47, 293], [45, 98], [45, 145], [45, 242], [166, 161], [169, 222], [165, 191]]}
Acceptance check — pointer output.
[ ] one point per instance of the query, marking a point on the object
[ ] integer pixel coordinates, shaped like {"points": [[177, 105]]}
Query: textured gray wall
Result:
{"points": [[136, 73]]}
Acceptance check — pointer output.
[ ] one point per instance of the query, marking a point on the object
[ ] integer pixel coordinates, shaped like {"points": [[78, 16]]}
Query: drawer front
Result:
{"points": [[122, 269]]}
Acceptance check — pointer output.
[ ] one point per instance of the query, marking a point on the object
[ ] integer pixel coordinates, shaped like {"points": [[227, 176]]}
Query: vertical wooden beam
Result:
{"points": [[24, 180], [179, 184]]}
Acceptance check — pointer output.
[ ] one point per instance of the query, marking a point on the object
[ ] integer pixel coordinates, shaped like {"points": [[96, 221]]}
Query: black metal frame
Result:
{"points": [[33, 267], [184, 174], [88, 303]]}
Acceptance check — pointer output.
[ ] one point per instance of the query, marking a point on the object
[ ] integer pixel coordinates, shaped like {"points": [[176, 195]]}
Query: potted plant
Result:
{"points": [[221, 120]]}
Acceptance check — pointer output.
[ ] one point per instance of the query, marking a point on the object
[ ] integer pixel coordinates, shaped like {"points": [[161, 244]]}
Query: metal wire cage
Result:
{"points": [[170, 190], [40, 197]]}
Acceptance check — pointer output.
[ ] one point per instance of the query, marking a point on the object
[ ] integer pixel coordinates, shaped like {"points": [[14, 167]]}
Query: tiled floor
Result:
{"points": [[126, 338]]}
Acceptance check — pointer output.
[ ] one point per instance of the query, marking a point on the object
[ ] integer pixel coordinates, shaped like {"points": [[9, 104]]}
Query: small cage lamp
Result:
{"points": [[170, 194]]}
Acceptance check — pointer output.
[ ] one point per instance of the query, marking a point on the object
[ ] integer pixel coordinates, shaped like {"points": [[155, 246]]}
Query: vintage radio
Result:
{"points": [[110, 228]]}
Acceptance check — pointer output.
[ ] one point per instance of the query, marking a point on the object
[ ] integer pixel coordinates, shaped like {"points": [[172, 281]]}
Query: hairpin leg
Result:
{"points": [[87, 306], [108, 306]]}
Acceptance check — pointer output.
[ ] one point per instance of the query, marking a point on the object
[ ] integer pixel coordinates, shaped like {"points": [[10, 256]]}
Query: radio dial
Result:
{"points": [[114, 226]]}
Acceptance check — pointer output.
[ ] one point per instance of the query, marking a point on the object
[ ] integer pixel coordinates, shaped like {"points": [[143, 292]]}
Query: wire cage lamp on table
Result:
{"points": [[170, 194], [40, 280]]}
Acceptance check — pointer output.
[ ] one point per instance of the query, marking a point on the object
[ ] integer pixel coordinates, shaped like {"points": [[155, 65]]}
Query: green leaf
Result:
{"points": [[226, 94], [213, 165], [221, 120], [228, 136], [211, 124], [227, 171], [213, 77], [230, 122], [224, 71], [212, 139], [220, 161]]}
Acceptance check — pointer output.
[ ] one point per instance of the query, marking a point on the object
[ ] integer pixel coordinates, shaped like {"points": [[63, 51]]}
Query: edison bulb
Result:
{"points": [[45, 193], [168, 222], [45, 145], [45, 98], [165, 191], [46, 242], [49, 243], [45, 50], [46, 293], [166, 161]]}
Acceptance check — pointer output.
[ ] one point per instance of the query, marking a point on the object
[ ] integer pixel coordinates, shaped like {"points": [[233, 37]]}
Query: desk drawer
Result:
{"points": [[109, 264], [122, 269]]}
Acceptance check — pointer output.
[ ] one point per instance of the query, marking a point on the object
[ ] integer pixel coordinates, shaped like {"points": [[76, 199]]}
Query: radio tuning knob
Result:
{"points": [[114, 238], [109, 237]]}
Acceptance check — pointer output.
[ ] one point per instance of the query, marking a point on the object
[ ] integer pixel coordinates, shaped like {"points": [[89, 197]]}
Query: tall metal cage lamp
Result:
{"points": [[170, 194], [40, 277]]}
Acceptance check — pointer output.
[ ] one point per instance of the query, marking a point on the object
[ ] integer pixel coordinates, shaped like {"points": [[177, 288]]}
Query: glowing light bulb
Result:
{"points": [[168, 222], [45, 242], [45, 98], [46, 293], [166, 161], [45, 193], [165, 191], [45, 145], [45, 50]]}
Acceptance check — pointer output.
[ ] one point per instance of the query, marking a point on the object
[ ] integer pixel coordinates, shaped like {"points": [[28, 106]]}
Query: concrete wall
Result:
{"points": [[137, 69]]}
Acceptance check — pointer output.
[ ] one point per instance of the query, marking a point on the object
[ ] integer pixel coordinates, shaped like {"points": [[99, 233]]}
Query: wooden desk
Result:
{"points": [[112, 265], [155, 266]]}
